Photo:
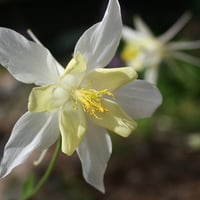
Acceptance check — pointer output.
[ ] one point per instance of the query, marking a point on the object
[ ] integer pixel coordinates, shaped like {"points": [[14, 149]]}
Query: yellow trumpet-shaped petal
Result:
{"points": [[47, 98], [72, 125], [76, 65], [110, 78], [115, 120]]}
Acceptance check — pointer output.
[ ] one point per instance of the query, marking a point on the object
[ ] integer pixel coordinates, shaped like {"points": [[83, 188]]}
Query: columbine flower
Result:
{"points": [[80, 102], [145, 51]]}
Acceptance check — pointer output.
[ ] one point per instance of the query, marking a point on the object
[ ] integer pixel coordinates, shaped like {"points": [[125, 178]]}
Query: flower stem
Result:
{"points": [[46, 174]]}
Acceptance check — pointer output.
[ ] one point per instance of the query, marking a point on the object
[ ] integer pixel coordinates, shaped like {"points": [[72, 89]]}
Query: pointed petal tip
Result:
{"points": [[67, 150], [40, 137], [3, 172], [97, 185], [27, 61], [101, 189], [93, 43], [94, 153]]}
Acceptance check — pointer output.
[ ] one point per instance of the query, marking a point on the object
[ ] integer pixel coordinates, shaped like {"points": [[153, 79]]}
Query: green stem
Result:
{"points": [[47, 173]]}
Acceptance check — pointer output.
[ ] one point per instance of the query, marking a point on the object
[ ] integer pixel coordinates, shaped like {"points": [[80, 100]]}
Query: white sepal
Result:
{"points": [[139, 98], [99, 43], [94, 153], [33, 131]]}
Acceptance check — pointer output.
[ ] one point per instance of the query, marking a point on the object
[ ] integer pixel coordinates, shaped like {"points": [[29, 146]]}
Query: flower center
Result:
{"points": [[91, 100]]}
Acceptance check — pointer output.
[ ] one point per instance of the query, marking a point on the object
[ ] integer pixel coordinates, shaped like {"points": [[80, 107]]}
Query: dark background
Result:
{"points": [[58, 24]]}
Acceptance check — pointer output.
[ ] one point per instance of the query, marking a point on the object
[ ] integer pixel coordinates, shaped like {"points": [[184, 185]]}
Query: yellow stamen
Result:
{"points": [[91, 100]]}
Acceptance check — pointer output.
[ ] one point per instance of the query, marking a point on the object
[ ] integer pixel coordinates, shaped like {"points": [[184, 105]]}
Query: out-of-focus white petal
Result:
{"points": [[33, 131], [186, 57], [151, 74], [94, 153], [178, 25], [183, 45], [130, 34], [139, 98], [99, 43], [27, 61], [141, 26]]}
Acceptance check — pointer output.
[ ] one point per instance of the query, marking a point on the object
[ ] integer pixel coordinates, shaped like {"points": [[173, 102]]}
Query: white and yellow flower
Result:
{"points": [[80, 102], [144, 51]]}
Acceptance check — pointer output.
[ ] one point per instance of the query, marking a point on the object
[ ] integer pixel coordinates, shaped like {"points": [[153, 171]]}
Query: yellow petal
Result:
{"points": [[115, 119], [72, 125], [110, 78], [46, 98], [76, 65]]}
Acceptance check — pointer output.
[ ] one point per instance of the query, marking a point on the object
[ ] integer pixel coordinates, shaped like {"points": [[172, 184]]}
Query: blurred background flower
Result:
{"points": [[161, 160], [146, 52]]}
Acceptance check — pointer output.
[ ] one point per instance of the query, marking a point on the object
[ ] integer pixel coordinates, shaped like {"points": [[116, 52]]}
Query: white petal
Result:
{"points": [[99, 43], [139, 98], [94, 153], [27, 61], [151, 75], [35, 39], [32, 131], [177, 26]]}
